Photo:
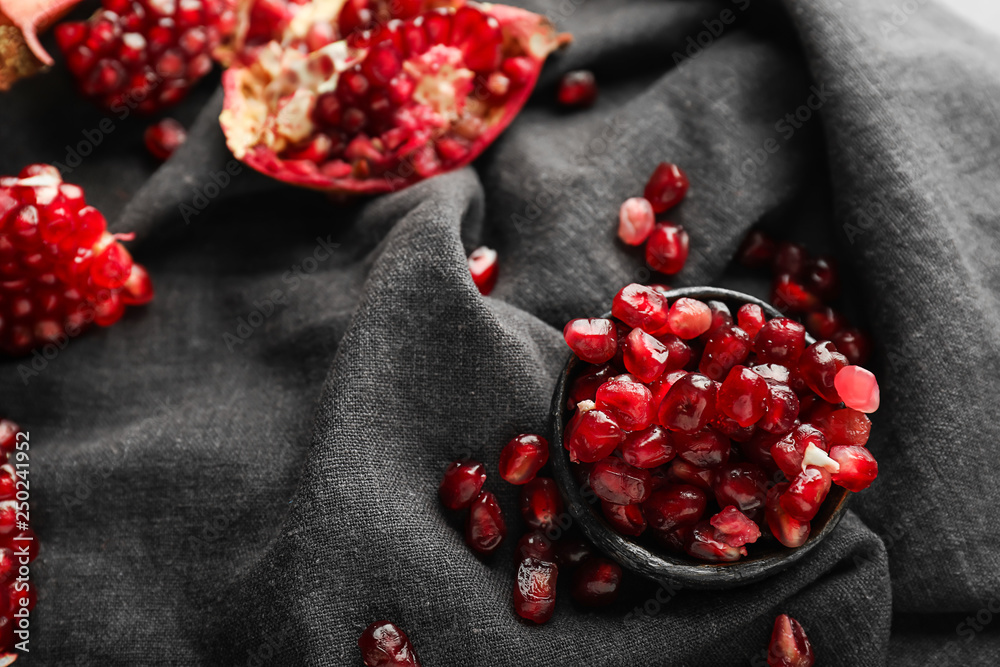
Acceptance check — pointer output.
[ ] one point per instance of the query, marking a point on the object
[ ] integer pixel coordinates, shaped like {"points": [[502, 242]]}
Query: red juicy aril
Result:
{"points": [[485, 527], [60, 270], [593, 340], [390, 105], [144, 54], [789, 645], [596, 582], [484, 267], [707, 461], [577, 89], [535, 590], [461, 484], [523, 457], [384, 644]]}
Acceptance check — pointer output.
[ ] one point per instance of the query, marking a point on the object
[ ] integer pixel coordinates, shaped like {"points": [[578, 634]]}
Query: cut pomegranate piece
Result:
{"points": [[683, 472], [782, 409], [666, 188], [706, 543], [60, 270], [743, 396], [523, 457], [541, 503], [750, 318], [593, 340], [780, 341], [461, 484], [743, 485], [535, 590], [142, 54], [626, 519], [857, 388], [706, 448], [790, 532], [825, 323], [594, 436], [819, 366], [789, 645], [757, 250], [806, 493], [164, 137], [689, 318], [674, 505], [484, 266], [534, 544], [858, 468], [648, 448], [789, 451], [635, 221], [386, 108], [617, 482], [645, 356], [667, 248], [641, 306], [485, 527], [596, 582], [570, 552], [854, 345], [689, 404], [734, 527], [384, 644], [789, 259], [728, 346], [577, 89]]}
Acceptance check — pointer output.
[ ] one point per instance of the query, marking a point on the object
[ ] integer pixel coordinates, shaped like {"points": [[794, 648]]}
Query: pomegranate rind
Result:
{"points": [[250, 105], [21, 54]]}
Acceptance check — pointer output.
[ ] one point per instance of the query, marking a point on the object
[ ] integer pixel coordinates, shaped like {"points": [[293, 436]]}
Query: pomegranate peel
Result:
{"points": [[21, 54]]}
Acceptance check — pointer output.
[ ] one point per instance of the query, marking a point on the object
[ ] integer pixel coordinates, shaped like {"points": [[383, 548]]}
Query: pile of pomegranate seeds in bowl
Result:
{"points": [[708, 436]]}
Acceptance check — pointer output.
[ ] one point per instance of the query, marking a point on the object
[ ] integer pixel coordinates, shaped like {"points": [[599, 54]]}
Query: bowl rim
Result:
{"points": [[662, 566]]}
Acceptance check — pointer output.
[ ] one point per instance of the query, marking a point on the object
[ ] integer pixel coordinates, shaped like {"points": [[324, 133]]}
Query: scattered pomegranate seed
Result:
{"points": [[858, 467], [689, 318], [790, 532], [485, 527], [789, 259], [667, 248], [757, 250], [461, 484], [727, 347], [789, 645], [706, 448], [854, 345], [683, 472], [534, 544], [674, 505], [635, 220], [164, 137], [735, 528], [577, 89], [666, 188], [617, 482], [689, 404], [806, 493], [593, 340], [743, 485], [484, 267], [628, 401], [706, 543], [626, 519], [596, 582], [789, 451], [541, 504], [585, 386], [384, 644], [825, 323], [648, 448], [645, 357], [788, 294], [721, 317], [845, 427], [535, 590], [570, 552], [743, 396], [750, 318], [642, 307], [780, 341], [821, 277], [594, 436], [857, 388], [819, 365], [782, 409], [523, 457]]}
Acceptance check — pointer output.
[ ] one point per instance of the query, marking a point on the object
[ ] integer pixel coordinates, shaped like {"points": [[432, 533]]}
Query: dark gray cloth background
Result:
{"points": [[199, 505]]}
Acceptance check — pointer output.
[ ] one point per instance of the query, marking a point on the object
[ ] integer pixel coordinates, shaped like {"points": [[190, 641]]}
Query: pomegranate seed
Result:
{"points": [[648, 448], [535, 590], [789, 645], [523, 457], [743, 485], [640, 306], [577, 89], [666, 188], [750, 318], [626, 519], [689, 318], [138, 289], [667, 248], [705, 543], [630, 403], [541, 504], [825, 323], [8, 437], [594, 436], [617, 482], [782, 409], [586, 384], [570, 552], [790, 532], [645, 357], [635, 221], [706, 448], [689, 404], [743, 396], [536, 545], [789, 259], [757, 250], [854, 345], [734, 527], [819, 365], [164, 137], [727, 347], [485, 527], [683, 472], [857, 388], [728, 427], [821, 277], [484, 265], [384, 644], [789, 451], [678, 352], [461, 484], [858, 468], [806, 493], [674, 505], [596, 582], [721, 317], [846, 427], [787, 294]]}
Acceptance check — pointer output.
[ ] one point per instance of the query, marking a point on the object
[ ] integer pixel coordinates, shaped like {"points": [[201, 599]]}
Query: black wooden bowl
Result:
{"points": [[766, 557]]}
